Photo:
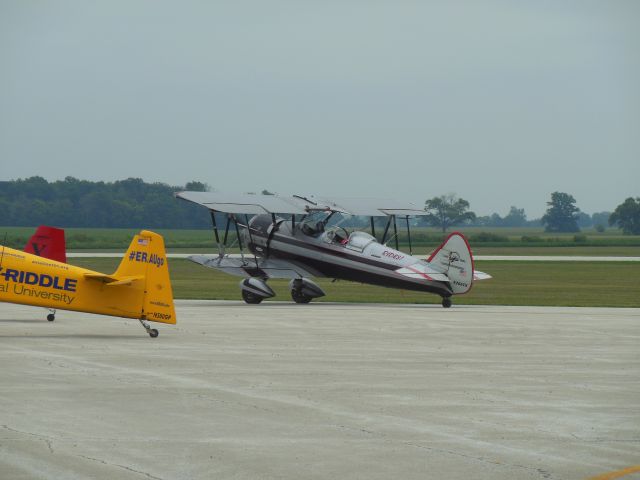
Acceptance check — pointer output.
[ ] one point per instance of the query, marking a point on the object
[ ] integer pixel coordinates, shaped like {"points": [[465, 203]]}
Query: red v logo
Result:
{"points": [[36, 248]]}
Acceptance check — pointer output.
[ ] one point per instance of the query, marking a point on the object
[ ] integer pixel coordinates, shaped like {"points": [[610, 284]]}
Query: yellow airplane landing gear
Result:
{"points": [[153, 333]]}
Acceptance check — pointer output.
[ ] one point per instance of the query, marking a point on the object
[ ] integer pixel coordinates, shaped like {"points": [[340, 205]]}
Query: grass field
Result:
{"points": [[495, 241], [592, 284], [605, 251], [111, 238]]}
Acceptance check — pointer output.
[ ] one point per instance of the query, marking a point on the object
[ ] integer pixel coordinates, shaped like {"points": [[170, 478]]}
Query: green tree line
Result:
{"points": [[130, 203], [133, 203]]}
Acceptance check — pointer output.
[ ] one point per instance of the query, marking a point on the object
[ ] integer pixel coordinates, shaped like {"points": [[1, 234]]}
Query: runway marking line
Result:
{"points": [[616, 474]]}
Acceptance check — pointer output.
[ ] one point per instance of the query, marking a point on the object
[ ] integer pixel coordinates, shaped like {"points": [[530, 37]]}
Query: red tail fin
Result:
{"points": [[48, 242]]}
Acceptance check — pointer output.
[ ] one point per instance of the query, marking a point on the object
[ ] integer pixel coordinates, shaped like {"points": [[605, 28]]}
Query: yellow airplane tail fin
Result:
{"points": [[146, 260]]}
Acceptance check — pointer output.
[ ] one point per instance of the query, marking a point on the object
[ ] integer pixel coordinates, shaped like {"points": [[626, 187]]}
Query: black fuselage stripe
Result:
{"points": [[382, 279], [353, 256]]}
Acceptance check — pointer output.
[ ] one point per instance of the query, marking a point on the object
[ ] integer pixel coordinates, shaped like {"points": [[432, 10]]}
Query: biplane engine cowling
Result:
{"points": [[257, 286]]}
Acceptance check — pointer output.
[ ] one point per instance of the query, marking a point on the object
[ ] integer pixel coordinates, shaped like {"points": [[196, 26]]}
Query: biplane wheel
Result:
{"points": [[153, 333], [251, 298], [446, 302], [51, 317], [300, 297]]}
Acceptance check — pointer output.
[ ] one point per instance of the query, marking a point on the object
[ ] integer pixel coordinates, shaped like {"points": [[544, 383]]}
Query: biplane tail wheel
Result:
{"points": [[51, 317], [446, 302], [251, 298]]}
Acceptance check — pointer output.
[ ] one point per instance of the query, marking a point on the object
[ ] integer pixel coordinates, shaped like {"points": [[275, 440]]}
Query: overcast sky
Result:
{"points": [[501, 103]]}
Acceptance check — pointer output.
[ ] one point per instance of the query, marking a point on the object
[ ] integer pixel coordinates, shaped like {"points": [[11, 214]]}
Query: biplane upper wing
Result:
{"points": [[299, 204], [370, 207], [244, 203]]}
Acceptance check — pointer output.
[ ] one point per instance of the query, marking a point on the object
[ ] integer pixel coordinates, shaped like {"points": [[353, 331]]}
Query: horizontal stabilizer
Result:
{"points": [[111, 280], [478, 275], [422, 271]]}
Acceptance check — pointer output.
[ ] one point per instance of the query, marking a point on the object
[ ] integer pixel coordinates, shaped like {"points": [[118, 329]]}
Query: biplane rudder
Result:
{"points": [[454, 258], [146, 257], [48, 242]]}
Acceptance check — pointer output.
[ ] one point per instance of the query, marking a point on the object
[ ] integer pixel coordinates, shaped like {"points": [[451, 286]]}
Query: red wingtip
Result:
{"points": [[48, 242]]}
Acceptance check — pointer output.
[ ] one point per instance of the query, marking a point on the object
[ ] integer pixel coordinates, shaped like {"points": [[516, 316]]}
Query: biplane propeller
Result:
{"points": [[296, 238]]}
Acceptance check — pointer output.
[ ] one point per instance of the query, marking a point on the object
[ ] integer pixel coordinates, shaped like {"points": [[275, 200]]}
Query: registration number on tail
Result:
{"points": [[143, 257]]}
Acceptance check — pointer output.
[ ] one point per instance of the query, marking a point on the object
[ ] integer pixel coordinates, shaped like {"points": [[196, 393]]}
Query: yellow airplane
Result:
{"points": [[140, 287]]}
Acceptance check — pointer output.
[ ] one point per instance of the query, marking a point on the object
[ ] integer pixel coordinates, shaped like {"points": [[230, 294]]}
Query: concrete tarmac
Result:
{"points": [[321, 391]]}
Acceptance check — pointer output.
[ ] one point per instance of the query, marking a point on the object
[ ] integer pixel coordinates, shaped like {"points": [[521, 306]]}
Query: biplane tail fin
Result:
{"points": [[48, 242], [146, 260], [454, 259]]}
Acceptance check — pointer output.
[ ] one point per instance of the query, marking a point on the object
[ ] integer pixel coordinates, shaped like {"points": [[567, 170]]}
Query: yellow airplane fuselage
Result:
{"points": [[139, 289]]}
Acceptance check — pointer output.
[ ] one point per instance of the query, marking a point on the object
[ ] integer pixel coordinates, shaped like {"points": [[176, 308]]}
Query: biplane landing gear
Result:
{"points": [[446, 302], [153, 333], [299, 297], [304, 290], [255, 289], [251, 298], [52, 316]]}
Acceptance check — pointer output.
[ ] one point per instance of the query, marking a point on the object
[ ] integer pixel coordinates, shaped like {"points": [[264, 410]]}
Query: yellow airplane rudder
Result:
{"points": [[146, 257]]}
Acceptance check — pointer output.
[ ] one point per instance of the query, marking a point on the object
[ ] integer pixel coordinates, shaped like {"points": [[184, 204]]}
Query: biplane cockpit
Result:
{"points": [[336, 235], [315, 223], [356, 241]]}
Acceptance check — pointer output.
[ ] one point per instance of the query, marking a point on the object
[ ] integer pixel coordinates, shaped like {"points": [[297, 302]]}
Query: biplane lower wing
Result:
{"points": [[268, 268]]}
